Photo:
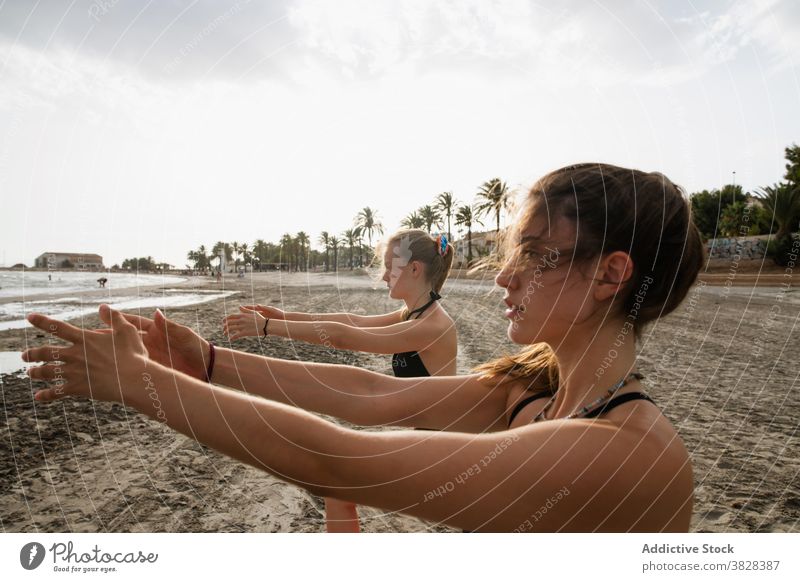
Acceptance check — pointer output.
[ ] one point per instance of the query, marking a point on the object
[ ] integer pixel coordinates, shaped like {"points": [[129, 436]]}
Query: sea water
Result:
{"points": [[70, 300]]}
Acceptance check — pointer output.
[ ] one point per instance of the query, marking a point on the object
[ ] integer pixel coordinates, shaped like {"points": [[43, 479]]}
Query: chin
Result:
{"points": [[521, 334]]}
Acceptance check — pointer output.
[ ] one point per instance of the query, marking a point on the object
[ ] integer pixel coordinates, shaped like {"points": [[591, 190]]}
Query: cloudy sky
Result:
{"points": [[133, 128]]}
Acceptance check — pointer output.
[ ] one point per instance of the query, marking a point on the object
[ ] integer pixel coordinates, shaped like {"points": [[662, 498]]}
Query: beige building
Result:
{"points": [[77, 261], [483, 244]]}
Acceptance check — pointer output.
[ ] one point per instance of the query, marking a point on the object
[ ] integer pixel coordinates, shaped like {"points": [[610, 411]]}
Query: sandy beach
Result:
{"points": [[723, 368]]}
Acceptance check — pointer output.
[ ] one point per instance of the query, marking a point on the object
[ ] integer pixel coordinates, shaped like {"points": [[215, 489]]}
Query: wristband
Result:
{"points": [[210, 369], [265, 327]]}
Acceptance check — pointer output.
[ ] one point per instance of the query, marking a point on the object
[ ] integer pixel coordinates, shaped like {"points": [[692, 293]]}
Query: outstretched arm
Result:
{"points": [[481, 482], [346, 318], [363, 397], [399, 337]]}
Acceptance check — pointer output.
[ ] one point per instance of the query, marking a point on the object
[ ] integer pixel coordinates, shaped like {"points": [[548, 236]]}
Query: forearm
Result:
{"points": [[348, 318], [325, 333], [342, 391], [289, 443]]}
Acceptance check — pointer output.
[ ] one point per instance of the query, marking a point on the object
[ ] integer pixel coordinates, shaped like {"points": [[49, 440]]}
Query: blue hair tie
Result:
{"points": [[442, 244]]}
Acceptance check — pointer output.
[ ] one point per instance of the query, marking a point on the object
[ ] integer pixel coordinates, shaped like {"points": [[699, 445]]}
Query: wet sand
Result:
{"points": [[723, 369]]}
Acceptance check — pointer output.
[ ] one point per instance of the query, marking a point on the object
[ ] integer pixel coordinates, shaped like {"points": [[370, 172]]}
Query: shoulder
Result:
{"points": [[617, 478]]}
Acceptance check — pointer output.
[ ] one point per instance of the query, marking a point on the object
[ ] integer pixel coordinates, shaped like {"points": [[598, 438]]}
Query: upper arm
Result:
{"points": [[414, 335], [455, 403], [559, 475]]}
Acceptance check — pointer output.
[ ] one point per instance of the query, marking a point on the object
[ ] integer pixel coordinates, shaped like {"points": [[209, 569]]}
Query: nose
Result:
{"points": [[506, 278]]}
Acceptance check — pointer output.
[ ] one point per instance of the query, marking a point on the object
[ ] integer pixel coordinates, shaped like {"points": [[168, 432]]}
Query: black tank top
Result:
{"points": [[409, 364]]}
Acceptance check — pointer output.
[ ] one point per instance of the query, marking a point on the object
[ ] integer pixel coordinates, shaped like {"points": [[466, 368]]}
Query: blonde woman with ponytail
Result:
{"points": [[421, 337]]}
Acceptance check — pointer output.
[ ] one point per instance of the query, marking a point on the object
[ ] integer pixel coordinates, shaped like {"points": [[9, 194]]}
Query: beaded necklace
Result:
{"points": [[609, 393]]}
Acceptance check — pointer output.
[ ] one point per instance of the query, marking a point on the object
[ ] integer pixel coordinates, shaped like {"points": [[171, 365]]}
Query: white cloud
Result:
{"points": [[770, 25]]}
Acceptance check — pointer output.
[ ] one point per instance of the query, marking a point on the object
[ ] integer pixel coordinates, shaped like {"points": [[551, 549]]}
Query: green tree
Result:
{"points": [[303, 240], [793, 166], [466, 217], [430, 217], [708, 206], [413, 220], [325, 241], [367, 220], [350, 237], [492, 198], [446, 205], [335, 243], [782, 204]]}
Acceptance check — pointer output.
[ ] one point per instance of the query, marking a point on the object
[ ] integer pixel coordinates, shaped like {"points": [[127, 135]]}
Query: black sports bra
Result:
{"points": [[613, 403], [410, 364]]}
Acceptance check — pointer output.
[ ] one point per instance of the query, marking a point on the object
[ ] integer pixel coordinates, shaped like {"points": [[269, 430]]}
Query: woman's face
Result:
{"points": [[547, 293], [394, 273]]}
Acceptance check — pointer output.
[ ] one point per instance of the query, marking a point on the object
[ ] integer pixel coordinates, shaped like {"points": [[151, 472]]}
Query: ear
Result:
{"points": [[613, 272]]}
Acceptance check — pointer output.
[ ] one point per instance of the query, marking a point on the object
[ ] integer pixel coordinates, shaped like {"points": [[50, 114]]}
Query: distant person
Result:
{"points": [[416, 266], [219, 275], [102, 281]]}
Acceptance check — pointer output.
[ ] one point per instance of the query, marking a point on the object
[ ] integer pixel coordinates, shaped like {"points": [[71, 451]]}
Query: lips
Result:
{"points": [[513, 309]]}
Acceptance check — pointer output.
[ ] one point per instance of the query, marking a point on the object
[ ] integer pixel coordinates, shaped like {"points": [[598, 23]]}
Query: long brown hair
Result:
{"points": [[613, 209]]}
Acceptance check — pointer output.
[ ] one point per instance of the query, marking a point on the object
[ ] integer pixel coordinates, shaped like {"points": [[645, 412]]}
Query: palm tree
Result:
{"points": [[446, 204], [359, 232], [367, 219], [287, 248], [466, 217], [413, 220], [351, 237], [493, 197], [228, 249], [430, 216], [302, 239], [325, 241], [260, 252], [191, 256], [235, 246], [335, 242], [782, 203], [244, 249]]}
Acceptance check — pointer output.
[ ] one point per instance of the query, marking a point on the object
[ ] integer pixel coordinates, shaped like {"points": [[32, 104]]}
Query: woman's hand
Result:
{"points": [[248, 323], [267, 311], [101, 364], [171, 344]]}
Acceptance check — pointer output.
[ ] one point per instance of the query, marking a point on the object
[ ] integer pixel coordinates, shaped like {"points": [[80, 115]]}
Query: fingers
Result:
{"points": [[44, 354], [50, 394], [116, 320], [58, 328], [140, 322], [167, 325], [51, 373], [48, 372]]}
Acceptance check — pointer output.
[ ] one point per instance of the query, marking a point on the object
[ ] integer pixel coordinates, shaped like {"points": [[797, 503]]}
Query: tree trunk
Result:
{"points": [[469, 246]]}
